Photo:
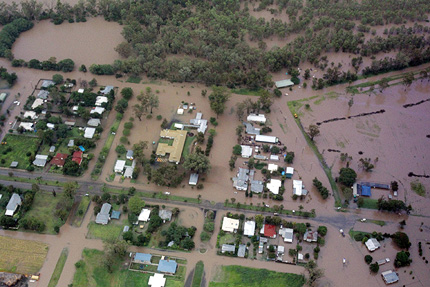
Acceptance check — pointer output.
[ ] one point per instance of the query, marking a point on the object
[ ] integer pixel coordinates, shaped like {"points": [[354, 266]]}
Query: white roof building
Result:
{"points": [[249, 228], [287, 234], [272, 167], [81, 91], [97, 110], [40, 160], [36, 103], [246, 151], [13, 204], [119, 166], [94, 122], [30, 114], [390, 277], [372, 244], [50, 126], [274, 157], [260, 118], [89, 132], [194, 178], [157, 280], [284, 83], [101, 100], [230, 224], [297, 187], [273, 185], [26, 126], [266, 139], [290, 170], [144, 215]]}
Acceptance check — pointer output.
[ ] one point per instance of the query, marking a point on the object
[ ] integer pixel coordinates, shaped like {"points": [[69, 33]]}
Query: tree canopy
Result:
{"points": [[197, 162]]}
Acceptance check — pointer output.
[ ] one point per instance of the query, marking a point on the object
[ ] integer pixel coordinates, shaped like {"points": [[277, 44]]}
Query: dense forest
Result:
{"points": [[219, 42]]}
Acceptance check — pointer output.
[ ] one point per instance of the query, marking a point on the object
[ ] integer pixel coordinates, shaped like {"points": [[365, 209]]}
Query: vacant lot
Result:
{"points": [[21, 256], [238, 276], [16, 148], [81, 210], [92, 273], [111, 230]]}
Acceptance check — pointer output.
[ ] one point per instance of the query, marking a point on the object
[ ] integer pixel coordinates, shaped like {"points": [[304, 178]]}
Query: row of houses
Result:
{"points": [[59, 159]]}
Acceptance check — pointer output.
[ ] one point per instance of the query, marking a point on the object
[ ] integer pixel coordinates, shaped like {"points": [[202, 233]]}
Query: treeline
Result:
{"points": [[9, 77], [66, 65], [10, 33]]}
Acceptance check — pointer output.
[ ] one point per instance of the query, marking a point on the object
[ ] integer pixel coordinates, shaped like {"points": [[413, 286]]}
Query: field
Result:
{"points": [[21, 256], [198, 274], [91, 274], [43, 208], [20, 145], [58, 268], [239, 276], [110, 230], [81, 210]]}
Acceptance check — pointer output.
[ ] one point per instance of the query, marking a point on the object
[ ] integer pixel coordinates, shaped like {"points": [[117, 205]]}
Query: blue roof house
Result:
{"points": [[167, 266]]}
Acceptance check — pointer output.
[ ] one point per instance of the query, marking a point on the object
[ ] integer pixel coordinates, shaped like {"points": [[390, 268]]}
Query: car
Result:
{"points": [[395, 193], [18, 103], [275, 214], [167, 193]]}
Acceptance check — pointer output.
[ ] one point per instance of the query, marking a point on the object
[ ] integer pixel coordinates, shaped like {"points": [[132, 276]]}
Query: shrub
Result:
{"points": [[368, 259], [237, 150], [204, 236], [126, 132], [159, 117], [128, 125]]}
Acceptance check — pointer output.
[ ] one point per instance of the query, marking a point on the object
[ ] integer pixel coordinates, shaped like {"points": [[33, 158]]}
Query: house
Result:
{"points": [[70, 123], [77, 157], [260, 118], [249, 129], [165, 214], [284, 84], [89, 133], [97, 110], [390, 277], [298, 188], [81, 91], [126, 228], [43, 95], [103, 216], [52, 148], [50, 126], [274, 185], [30, 114], [167, 266], [129, 154], [40, 160], [101, 100], [257, 186], [274, 157], [71, 143], [249, 228], [47, 83], [272, 167], [174, 150], [106, 90], [144, 215], [241, 181], [13, 204], [228, 248], [287, 234], [194, 178], [29, 127], [3, 97], [310, 236], [266, 139], [280, 249], [289, 172], [269, 230], [143, 258], [157, 280], [372, 244], [199, 123], [36, 103], [246, 151], [119, 166], [230, 224], [115, 214], [93, 122], [13, 164], [59, 159], [366, 191], [128, 173], [241, 251]]}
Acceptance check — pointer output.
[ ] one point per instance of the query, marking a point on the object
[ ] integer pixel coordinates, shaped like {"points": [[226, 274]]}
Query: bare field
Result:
{"points": [[21, 256]]}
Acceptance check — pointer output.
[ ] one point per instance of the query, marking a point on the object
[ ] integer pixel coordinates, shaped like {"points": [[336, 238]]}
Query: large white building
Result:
{"points": [[230, 224]]}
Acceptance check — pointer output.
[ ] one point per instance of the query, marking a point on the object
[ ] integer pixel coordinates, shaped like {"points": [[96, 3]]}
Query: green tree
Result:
{"points": [[154, 102], [402, 259], [347, 176], [401, 239], [57, 79], [218, 99], [135, 204], [197, 162], [313, 131], [138, 151], [368, 259], [237, 150], [69, 188], [127, 93], [374, 267], [322, 230]]}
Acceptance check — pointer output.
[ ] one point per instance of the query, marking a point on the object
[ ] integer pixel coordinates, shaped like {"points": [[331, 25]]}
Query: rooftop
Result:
{"points": [[142, 257], [165, 214], [230, 224], [390, 277], [273, 185], [269, 230], [157, 280], [372, 244], [13, 203], [59, 159], [175, 150], [241, 251], [260, 118], [167, 266], [284, 83], [89, 132], [228, 248], [144, 215], [249, 228]]}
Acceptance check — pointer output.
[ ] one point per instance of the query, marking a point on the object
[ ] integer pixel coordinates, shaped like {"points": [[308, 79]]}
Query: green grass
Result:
{"points": [[419, 188], [370, 203], [134, 80], [227, 239], [20, 145], [377, 222], [92, 273], [166, 141], [104, 232], [353, 233], [43, 208], [187, 144], [58, 268], [246, 92], [82, 208], [32, 180], [239, 276]]}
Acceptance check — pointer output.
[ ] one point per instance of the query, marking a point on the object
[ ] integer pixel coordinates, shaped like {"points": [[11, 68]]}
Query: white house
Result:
{"points": [[157, 280], [13, 204], [40, 160], [144, 215], [266, 139], [273, 185], [119, 166], [194, 178], [97, 110], [89, 132], [230, 224], [260, 118], [36, 103], [249, 228], [27, 126], [272, 167], [297, 187], [287, 234], [246, 151], [372, 244], [101, 100], [30, 114]]}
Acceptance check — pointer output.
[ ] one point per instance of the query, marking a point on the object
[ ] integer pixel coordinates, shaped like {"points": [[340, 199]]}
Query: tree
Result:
{"points": [[138, 153], [347, 176], [368, 259], [259, 219], [58, 79], [218, 99], [135, 204], [315, 273], [408, 78], [121, 106], [402, 259], [127, 93], [374, 267], [313, 131], [197, 162], [322, 230], [237, 150], [71, 168], [289, 157], [69, 188], [138, 111], [240, 110], [251, 163], [153, 101], [383, 84], [401, 239]]}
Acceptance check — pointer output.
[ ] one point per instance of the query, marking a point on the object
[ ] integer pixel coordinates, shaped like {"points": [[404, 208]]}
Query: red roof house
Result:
{"points": [[59, 159], [269, 230], [77, 157]]}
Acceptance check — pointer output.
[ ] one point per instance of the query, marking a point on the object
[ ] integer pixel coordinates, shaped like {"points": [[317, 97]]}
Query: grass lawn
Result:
{"points": [[107, 231], [198, 274], [360, 234], [135, 80], [419, 188], [187, 145], [92, 273], [21, 256], [227, 238], [370, 203], [81, 210], [239, 276], [58, 268], [20, 145], [43, 208]]}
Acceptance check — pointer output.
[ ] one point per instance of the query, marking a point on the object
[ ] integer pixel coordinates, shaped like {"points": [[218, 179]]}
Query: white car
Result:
{"points": [[167, 193]]}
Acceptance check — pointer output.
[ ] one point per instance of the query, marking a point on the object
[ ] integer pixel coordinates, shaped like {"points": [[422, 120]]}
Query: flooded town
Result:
{"points": [[214, 143]]}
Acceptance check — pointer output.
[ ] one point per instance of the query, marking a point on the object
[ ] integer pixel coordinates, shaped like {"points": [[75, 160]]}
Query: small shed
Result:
{"points": [[390, 277], [115, 214], [126, 228], [71, 143], [14, 164], [13, 204], [52, 148], [228, 248], [241, 251], [289, 172], [3, 97], [284, 84], [194, 179], [129, 154], [103, 215]]}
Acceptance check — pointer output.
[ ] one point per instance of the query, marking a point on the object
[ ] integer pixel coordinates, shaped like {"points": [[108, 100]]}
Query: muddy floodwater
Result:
{"points": [[92, 42]]}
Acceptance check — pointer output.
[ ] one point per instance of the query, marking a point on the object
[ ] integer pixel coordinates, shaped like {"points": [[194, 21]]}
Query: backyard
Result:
{"points": [[15, 148], [21, 256], [111, 230]]}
